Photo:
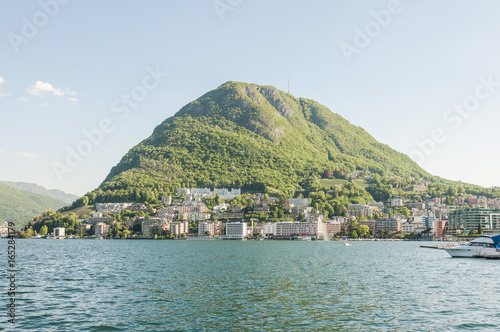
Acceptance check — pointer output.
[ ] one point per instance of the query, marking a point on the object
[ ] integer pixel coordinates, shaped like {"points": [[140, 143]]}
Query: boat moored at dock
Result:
{"points": [[485, 245]]}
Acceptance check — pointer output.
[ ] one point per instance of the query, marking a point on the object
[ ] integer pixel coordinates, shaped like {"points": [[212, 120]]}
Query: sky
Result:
{"points": [[82, 82]]}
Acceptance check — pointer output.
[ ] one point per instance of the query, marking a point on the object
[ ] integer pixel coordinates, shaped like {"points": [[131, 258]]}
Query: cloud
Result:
{"points": [[40, 87], [25, 154], [23, 99], [2, 80], [73, 100], [44, 105], [1, 151]]}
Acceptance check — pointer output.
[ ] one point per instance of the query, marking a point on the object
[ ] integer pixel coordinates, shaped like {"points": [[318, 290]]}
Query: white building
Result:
{"points": [[223, 193], [220, 208], [412, 227], [59, 231], [423, 221], [269, 229], [209, 228], [287, 229], [4, 229], [236, 231], [396, 201], [361, 210], [179, 228], [166, 200], [111, 207]]}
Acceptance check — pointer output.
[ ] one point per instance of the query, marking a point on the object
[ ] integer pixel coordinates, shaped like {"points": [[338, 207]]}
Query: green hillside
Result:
{"points": [[37, 189], [20, 206], [249, 136]]}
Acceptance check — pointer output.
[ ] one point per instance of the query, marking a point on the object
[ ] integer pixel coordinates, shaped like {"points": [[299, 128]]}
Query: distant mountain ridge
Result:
{"points": [[37, 189], [249, 136], [20, 206]]}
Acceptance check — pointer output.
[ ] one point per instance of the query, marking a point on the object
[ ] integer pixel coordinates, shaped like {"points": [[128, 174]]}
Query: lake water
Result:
{"points": [[92, 285]]}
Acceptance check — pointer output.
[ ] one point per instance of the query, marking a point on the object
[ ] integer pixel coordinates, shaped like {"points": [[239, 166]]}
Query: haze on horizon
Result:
{"points": [[420, 76]]}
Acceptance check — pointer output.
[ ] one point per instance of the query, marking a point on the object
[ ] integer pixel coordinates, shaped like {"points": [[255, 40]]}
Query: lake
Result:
{"points": [[147, 285]]}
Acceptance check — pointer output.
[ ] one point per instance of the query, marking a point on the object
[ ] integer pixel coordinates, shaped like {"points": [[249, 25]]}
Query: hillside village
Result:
{"points": [[228, 214]]}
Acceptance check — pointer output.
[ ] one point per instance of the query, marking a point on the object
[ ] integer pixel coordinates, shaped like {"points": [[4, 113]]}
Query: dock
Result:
{"points": [[430, 247]]}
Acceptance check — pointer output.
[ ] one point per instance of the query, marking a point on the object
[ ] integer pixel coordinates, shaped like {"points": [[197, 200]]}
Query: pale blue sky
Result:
{"points": [[86, 54]]}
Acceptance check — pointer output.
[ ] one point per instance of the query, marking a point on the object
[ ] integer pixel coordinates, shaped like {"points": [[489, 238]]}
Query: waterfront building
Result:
{"points": [[333, 227], [269, 228], [179, 228], [4, 229], [149, 226], [463, 221], [370, 223], [441, 226], [392, 225], [85, 228], [236, 230], [210, 228], [59, 231], [289, 229], [101, 229]]}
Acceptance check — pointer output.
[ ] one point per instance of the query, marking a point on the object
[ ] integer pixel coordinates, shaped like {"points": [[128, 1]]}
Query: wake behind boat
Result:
{"points": [[483, 246]]}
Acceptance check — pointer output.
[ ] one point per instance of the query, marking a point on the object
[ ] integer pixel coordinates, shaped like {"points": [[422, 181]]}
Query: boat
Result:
{"points": [[346, 244], [485, 245]]}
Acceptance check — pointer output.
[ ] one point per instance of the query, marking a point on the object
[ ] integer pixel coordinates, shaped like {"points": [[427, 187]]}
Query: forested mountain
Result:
{"points": [[20, 206], [249, 136], [37, 189]]}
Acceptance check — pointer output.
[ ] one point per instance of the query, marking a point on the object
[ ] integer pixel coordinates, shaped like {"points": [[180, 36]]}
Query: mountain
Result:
{"points": [[250, 136], [20, 206], [37, 189]]}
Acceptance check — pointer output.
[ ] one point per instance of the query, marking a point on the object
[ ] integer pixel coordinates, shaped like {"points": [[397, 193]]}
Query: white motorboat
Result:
{"points": [[347, 244], [483, 246]]}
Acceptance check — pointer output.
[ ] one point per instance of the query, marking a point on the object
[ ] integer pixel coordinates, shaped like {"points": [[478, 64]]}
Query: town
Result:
{"points": [[230, 215]]}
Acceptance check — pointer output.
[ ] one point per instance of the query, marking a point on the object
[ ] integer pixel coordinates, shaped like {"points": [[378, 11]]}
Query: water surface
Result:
{"points": [[126, 285]]}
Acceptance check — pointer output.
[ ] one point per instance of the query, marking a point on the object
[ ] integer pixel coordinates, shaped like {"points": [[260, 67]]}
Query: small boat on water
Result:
{"points": [[482, 247], [346, 244]]}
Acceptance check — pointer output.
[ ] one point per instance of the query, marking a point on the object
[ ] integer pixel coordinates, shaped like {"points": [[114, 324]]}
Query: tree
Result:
{"points": [[85, 200], [353, 234], [44, 230], [28, 233], [363, 230]]}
